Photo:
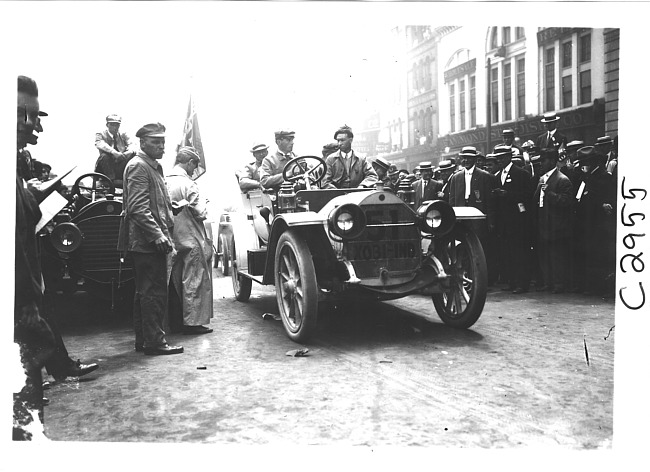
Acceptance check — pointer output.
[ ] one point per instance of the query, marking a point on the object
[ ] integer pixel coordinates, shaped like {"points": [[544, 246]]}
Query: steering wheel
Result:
{"points": [[93, 185], [298, 167]]}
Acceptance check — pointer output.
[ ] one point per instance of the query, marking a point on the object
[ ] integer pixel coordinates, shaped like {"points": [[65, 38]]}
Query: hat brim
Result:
{"points": [[153, 135], [544, 120], [42, 113]]}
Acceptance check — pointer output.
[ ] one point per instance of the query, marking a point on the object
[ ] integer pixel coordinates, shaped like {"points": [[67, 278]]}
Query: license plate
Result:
{"points": [[368, 251]]}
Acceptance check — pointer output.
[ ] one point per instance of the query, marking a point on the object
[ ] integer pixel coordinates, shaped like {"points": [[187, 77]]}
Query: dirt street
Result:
{"points": [[535, 370]]}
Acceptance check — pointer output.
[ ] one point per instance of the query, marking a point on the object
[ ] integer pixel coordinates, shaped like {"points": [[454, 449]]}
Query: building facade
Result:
{"points": [[464, 86]]}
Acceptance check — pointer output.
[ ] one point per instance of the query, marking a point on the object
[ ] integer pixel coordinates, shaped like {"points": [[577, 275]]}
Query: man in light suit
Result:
{"points": [[426, 188], [114, 150], [513, 202], [473, 187], [552, 206]]}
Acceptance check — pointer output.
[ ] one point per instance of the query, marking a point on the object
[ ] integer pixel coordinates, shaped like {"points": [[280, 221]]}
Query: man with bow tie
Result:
{"points": [[512, 202], [426, 188], [552, 138], [114, 150]]}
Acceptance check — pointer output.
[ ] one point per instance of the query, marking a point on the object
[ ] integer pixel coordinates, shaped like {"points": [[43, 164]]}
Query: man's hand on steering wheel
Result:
{"points": [[298, 168]]}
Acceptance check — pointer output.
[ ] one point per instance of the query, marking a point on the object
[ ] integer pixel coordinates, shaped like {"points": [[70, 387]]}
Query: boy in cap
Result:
{"points": [[273, 165], [114, 150], [249, 176], [345, 169], [146, 232]]}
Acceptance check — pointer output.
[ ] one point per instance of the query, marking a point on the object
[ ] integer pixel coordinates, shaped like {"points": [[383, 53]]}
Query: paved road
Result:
{"points": [[381, 374]]}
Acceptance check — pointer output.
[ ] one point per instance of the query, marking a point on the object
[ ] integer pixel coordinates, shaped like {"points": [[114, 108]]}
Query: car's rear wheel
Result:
{"points": [[463, 259], [241, 285], [296, 286], [225, 255]]}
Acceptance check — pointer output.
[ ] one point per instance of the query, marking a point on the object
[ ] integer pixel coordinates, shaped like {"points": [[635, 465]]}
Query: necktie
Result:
{"points": [[115, 142]]}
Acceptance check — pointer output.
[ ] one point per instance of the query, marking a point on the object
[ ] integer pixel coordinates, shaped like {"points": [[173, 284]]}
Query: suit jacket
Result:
{"points": [[510, 218], [147, 211], [361, 172], [480, 197], [554, 218], [557, 140], [430, 191]]}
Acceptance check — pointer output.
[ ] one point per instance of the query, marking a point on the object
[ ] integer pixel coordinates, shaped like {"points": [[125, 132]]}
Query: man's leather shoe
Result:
{"points": [[78, 369], [162, 350], [196, 330], [519, 290]]}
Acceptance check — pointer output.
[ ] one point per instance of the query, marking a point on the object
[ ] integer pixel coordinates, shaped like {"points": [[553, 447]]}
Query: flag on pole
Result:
{"points": [[192, 137]]}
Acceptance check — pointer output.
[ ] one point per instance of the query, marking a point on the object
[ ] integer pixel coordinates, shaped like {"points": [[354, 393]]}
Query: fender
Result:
{"points": [[310, 225], [468, 213], [244, 236]]}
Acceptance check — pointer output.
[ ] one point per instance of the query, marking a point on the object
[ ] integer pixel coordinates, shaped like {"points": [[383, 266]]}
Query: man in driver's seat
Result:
{"points": [[344, 168], [272, 165]]}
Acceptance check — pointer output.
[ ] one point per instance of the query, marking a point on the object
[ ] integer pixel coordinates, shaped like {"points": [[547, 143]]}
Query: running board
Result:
{"points": [[255, 278]]}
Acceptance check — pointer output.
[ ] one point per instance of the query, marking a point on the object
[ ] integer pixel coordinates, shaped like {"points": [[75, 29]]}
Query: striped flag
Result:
{"points": [[192, 137]]}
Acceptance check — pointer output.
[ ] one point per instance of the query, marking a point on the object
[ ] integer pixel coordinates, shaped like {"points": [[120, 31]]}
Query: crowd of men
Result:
{"points": [[549, 203]]}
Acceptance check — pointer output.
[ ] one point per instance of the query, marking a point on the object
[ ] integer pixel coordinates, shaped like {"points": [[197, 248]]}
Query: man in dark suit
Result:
{"points": [[552, 205], [512, 202], [473, 187], [552, 138], [426, 188]]}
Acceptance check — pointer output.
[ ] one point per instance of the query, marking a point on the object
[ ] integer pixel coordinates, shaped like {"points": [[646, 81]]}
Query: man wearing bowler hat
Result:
{"points": [[513, 202], [345, 169], [425, 188], [273, 165], [114, 150], [473, 187], [552, 207], [552, 138], [249, 176], [146, 232]]}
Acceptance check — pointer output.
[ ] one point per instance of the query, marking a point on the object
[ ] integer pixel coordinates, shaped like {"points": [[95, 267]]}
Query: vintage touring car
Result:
{"points": [[79, 246], [332, 245]]}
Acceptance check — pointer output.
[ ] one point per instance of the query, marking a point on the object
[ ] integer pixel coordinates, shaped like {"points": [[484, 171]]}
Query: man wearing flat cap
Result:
{"points": [[595, 223], [513, 197], [381, 167], [329, 148], [192, 270], [473, 187], [273, 165], [114, 150], [425, 188], [146, 232], [552, 138], [345, 169], [249, 176]]}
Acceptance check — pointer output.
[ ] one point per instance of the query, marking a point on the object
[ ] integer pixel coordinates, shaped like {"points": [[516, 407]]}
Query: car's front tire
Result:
{"points": [[296, 286], [463, 259], [241, 285]]}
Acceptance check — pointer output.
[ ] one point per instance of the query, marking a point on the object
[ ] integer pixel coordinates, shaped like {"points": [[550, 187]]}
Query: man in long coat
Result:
{"points": [[473, 187], [513, 202], [192, 269], [146, 232], [552, 204]]}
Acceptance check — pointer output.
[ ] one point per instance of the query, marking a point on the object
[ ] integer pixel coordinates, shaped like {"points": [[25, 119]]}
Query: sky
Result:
{"points": [[256, 67]]}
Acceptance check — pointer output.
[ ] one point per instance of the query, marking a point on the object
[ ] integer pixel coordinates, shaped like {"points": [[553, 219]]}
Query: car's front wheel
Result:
{"points": [[296, 286], [463, 259], [241, 285], [225, 255]]}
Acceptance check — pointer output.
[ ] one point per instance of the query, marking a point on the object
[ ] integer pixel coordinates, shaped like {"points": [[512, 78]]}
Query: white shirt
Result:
{"points": [[468, 181], [504, 173], [543, 179]]}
